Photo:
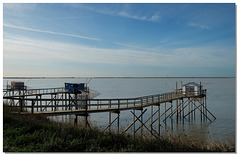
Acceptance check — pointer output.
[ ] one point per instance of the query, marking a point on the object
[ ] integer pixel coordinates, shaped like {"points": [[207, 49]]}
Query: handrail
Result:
{"points": [[17, 90], [118, 104]]}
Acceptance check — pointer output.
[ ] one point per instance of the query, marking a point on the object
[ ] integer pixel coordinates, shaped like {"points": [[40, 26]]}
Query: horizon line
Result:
{"points": [[56, 77]]}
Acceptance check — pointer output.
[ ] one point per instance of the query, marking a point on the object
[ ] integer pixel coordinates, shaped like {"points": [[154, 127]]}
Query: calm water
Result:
{"points": [[221, 101]]}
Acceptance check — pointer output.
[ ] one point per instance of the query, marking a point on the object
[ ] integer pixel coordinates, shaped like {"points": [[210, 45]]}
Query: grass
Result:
{"points": [[26, 133]]}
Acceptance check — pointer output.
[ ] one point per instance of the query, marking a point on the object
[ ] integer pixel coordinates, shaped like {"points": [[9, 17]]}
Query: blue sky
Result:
{"points": [[91, 40]]}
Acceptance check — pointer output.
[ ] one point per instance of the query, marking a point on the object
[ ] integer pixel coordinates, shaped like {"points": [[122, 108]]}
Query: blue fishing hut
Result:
{"points": [[75, 87]]}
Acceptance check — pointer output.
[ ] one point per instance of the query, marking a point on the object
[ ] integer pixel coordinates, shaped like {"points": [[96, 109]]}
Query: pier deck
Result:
{"points": [[57, 101], [66, 103]]}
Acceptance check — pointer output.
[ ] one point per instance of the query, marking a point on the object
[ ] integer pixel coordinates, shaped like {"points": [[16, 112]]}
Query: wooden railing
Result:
{"points": [[67, 104], [25, 92]]}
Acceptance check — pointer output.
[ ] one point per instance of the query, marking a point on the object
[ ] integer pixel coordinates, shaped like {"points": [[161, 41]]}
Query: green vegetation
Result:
{"points": [[26, 133]]}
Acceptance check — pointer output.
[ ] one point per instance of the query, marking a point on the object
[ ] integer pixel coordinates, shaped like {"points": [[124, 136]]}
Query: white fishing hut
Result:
{"points": [[191, 88]]}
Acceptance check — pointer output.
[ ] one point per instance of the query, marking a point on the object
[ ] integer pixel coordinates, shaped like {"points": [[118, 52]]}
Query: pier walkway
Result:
{"points": [[57, 101], [60, 102]]}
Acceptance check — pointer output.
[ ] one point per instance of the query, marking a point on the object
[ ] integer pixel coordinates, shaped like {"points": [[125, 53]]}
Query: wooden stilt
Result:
{"points": [[151, 120], [177, 109], [183, 110], [118, 121], [189, 105], [159, 125], [141, 120], [205, 105], [110, 119], [134, 123], [165, 111]]}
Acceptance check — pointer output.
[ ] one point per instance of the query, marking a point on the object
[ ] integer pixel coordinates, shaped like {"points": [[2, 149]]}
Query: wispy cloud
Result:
{"points": [[198, 25], [153, 18], [123, 10], [49, 32], [27, 49], [137, 47]]}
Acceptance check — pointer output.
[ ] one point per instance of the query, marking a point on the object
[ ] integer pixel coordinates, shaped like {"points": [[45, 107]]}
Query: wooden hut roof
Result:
{"points": [[192, 84]]}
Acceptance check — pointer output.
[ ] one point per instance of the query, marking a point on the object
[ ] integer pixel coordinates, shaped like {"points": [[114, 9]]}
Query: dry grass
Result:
{"points": [[27, 133]]}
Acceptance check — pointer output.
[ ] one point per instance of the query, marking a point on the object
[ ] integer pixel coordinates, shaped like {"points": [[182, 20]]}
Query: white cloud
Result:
{"points": [[48, 32], [21, 48], [122, 10], [198, 25]]}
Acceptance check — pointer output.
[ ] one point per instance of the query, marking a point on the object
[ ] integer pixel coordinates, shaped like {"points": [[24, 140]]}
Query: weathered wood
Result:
{"points": [[110, 123], [148, 120], [144, 125], [134, 120]]}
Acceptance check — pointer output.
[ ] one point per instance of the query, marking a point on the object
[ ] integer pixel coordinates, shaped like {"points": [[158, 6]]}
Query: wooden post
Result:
{"points": [[76, 105], [55, 103], [118, 115], [194, 109], [86, 121], [109, 120], [134, 121], [66, 97], [69, 103], [200, 89], [62, 101], [165, 111], [191, 109], [21, 104], [180, 105], [37, 102], [189, 105], [141, 120], [177, 109], [45, 108], [176, 86], [40, 102], [205, 105], [181, 86], [201, 109], [151, 120], [51, 101], [32, 110], [159, 125], [86, 107], [182, 111]]}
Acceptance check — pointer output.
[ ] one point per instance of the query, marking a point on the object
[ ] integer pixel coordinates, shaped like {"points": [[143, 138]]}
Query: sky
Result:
{"points": [[119, 40]]}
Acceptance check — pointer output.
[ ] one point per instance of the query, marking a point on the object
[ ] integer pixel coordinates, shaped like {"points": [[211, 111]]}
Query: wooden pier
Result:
{"points": [[57, 101]]}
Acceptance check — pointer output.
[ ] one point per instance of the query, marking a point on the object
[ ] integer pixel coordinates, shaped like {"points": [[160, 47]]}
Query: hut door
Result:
{"points": [[190, 90]]}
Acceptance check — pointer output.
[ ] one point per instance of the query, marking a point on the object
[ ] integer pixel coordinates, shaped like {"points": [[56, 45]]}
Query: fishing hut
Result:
{"points": [[75, 87], [17, 85], [149, 112], [191, 88]]}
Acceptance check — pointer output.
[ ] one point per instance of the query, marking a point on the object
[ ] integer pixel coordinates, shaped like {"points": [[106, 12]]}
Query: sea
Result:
{"points": [[220, 100]]}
